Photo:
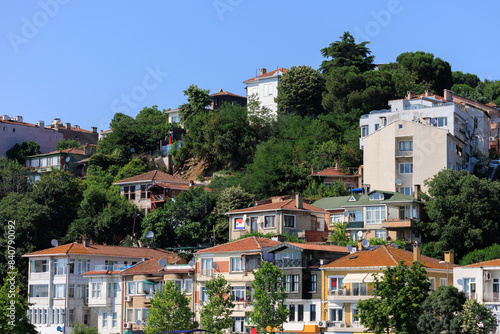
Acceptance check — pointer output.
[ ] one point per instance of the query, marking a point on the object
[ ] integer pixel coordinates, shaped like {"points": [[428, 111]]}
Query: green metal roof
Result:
{"points": [[340, 202]]}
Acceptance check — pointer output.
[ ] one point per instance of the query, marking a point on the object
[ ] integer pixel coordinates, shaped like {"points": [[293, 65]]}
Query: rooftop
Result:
{"points": [[250, 244], [310, 247], [154, 175], [362, 200], [268, 74], [284, 205]]}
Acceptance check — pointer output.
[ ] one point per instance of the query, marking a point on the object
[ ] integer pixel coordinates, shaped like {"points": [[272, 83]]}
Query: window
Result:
{"points": [[188, 286], [376, 196], [138, 288], [71, 291], [400, 126], [203, 295], [96, 290], [359, 289], [432, 280], [355, 215], [114, 324], [59, 291], [335, 282], [60, 266], [406, 145], [112, 290], [138, 314], [269, 221], [83, 291], [253, 224], [312, 312], [336, 217], [71, 316], [130, 288], [336, 315], [132, 193], [39, 290], [443, 281], [300, 312], [313, 282], [375, 214], [237, 264], [291, 308], [406, 168], [314, 223], [39, 266], [295, 283], [238, 325], [206, 267], [104, 320], [470, 287], [354, 316], [238, 293], [287, 283], [377, 126], [130, 315], [289, 221], [364, 130], [143, 191], [82, 266], [175, 119], [178, 284], [381, 234], [406, 190]]}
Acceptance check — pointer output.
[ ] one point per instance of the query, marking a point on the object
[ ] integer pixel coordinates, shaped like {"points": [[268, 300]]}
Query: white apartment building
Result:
{"points": [[265, 88], [416, 138], [59, 293]]}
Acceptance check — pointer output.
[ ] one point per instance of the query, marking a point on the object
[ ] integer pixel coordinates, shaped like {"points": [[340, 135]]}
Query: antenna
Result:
{"points": [[365, 243], [54, 242], [399, 182], [162, 262], [150, 235], [191, 263]]}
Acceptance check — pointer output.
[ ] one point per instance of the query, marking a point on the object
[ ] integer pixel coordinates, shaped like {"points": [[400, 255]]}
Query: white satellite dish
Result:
{"points": [[399, 182], [132, 150], [460, 281], [360, 234], [138, 322], [214, 265], [54, 242], [395, 245], [150, 235], [67, 159], [244, 217], [365, 243], [349, 248], [191, 263], [162, 262]]}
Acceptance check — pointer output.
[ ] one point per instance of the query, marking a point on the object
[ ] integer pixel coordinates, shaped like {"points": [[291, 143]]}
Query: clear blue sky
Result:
{"points": [[82, 61]]}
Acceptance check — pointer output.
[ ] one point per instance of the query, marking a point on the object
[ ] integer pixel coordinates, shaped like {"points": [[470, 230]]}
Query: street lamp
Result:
{"points": [[447, 271]]}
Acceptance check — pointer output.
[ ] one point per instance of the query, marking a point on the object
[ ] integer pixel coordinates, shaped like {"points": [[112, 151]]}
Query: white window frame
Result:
{"points": [[270, 221], [405, 145], [237, 264], [375, 214], [188, 286], [406, 168], [336, 217], [57, 291], [432, 281], [104, 319], [339, 286], [365, 130], [381, 234], [239, 292], [206, 266]]}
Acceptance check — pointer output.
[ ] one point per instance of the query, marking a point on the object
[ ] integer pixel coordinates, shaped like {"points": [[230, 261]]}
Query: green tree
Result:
{"points": [[67, 143], [169, 311], [79, 328], [18, 152], [476, 318], [215, 315], [197, 102], [405, 80], [14, 308], [133, 168], [13, 177], [463, 211], [480, 255], [439, 311], [460, 78], [269, 297], [339, 233], [300, 92], [316, 189], [397, 300]]}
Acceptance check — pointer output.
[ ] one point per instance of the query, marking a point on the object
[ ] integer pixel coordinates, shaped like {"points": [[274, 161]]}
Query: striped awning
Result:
{"points": [[349, 278]]}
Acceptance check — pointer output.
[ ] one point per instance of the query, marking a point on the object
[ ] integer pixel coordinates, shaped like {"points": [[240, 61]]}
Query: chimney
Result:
{"points": [[337, 164], [94, 129], [262, 71], [409, 95], [416, 252], [41, 124], [360, 245], [449, 256], [427, 93], [191, 184], [68, 126], [19, 118], [5, 118], [416, 192], [448, 95], [312, 170], [299, 201]]}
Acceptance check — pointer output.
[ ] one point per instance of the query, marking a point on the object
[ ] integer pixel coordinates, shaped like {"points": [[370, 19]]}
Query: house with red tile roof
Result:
{"points": [[349, 279], [60, 292], [281, 215], [235, 261], [350, 177], [264, 87], [221, 97]]}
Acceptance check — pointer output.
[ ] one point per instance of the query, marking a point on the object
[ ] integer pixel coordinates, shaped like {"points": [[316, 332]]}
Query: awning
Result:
{"points": [[148, 282], [349, 278], [370, 279]]}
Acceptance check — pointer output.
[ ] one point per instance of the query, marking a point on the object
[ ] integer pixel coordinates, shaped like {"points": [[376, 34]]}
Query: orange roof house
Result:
{"points": [[351, 177], [221, 97]]}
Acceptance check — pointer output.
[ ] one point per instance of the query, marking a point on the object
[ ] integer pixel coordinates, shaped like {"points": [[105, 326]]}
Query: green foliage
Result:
{"points": [[133, 168], [346, 53], [18, 152], [439, 311], [288, 237], [67, 143], [216, 314], [463, 212], [268, 298], [405, 80], [479, 255], [14, 308], [460, 78], [339, 233], [476, 318], [300, 92], [317, 189], [169, 311], [398, 299], [190, 216], [79, 328], [197, 102], [13, 177]]}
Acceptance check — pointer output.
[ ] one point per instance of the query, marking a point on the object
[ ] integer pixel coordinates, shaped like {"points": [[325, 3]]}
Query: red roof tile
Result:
{"points": [[226, 93], [268, 74], [243, 245], [176, 185], [490, 263], [384, 256], [285, 205], [325, 248], [14, 122], [151, 266], [332, 172], [154, 175]]}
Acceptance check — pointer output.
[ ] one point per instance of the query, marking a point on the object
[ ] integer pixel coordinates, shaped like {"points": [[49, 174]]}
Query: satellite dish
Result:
{"points": [[67, 159], [365, 243], [59, 328], [360, 234], [388, 238], [214, 265], [162, 262], [349, 248], [54, 242], [150, 235], [133, 150], [473, 160], [395, 245], [138, 322], [346, 213], [244, 217], [460, 281], [399, 182], [191, 263]]}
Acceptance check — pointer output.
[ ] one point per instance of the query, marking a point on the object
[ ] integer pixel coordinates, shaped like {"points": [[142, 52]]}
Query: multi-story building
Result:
{"points": [[481, 281], [235, 261], [281, 215], [60, 293], [378, 214], [300, 263], [264, 88], [74, 132], [348, 280], [419, 136], [16, 131]]}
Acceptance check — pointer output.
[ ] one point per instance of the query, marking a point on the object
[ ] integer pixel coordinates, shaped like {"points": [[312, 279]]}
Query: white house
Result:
{"points": [[265, 88]]}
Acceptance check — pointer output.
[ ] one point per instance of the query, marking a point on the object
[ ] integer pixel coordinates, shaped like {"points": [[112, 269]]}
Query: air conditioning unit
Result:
{"points": [[128, 298], [322, 324], [127, 325], [487, 275]]}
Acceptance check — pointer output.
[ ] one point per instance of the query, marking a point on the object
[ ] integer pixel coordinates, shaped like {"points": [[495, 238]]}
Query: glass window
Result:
{"points": [[336, 217], [206, 267], [59, 291], [287, 283], [406, 145], [188, 286], [300, 312], [96, 290], [60, 266], [355, 215], [138, 288], [381, 234], [237, 264], [71, 316], [359, 289], [375, 214], [377, 126], [130, 288], [312, 312], [295, 283], [406, 190], [291, 308], [432, 280], [71, 291], [336, 315], [204, 295], [364, 130], [289, 221], [104, 320], [138, 314], [178, 284], [115, 320], [143, 191], [336, 282], [39, 290], [405, 168], [313, 282], [82, 266], [238, 293], [39, 266], [239, 325], [269, 221], [405, 212]]}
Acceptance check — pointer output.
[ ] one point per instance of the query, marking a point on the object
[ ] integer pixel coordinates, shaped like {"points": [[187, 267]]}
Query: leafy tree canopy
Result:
{"points": [[346, 53], [79, 328], [476, 318], [216, 314], [13, 177], [460, 78], [67, 143], [197, 102], [18, 152], [480, 255], [133, 168]]}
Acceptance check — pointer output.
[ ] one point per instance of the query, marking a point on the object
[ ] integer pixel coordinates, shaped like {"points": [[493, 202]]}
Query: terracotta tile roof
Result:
{"points": [[268, 74], [171, 111], [154, 175], [285, 205], [175, 185], [101, 250], [226, 94], [151, 266], [14, 122], [333, 172], [490, 263], [243, 245], [325, 248], [384, 256], [102, 272]]}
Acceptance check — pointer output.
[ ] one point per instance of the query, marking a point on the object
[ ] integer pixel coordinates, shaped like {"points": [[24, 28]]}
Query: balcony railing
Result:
{"points": [[404, 153], [206, 272], [158, 198], [290, 263], [114, 267], [348, 292], [491, 297]]}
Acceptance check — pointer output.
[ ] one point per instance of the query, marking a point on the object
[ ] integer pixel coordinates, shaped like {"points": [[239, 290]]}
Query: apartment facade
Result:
{"points": [[75, 132], [265, 88]]}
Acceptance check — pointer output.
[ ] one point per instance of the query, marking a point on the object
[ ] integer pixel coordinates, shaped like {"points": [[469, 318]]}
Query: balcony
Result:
{"points": [[347, 294], [355, 225], [206, 272], [491, 297], [404, 154], [290, 263], [397, 223], [158, 198], [114, 267]]}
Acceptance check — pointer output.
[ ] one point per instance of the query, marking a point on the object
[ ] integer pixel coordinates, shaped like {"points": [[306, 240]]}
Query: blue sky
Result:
{"points": [[82, 61]]}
